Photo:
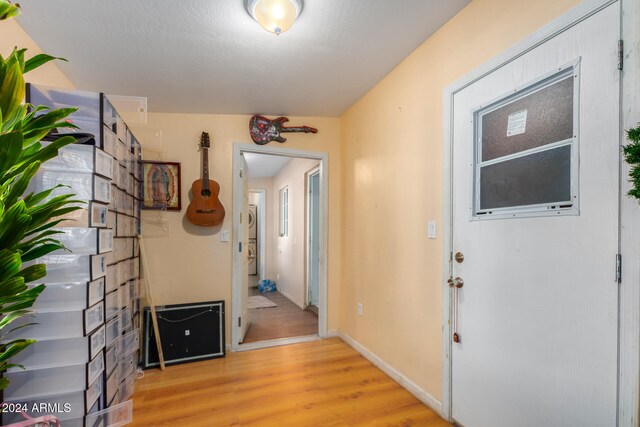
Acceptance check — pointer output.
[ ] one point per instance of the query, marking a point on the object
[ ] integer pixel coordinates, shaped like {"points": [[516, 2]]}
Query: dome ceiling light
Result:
{"points": [[275, 16]]}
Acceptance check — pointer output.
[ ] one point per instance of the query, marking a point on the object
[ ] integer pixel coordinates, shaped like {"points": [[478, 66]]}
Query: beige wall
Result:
{"points": [[290, 250], [189, 263], [11, 35], [392, 184]]}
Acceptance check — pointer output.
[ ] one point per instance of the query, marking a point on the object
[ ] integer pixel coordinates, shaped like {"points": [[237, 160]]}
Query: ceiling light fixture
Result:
{"points": [[276, 16]]}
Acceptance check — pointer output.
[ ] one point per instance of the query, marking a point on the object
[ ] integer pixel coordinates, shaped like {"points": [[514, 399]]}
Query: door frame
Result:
{"points": [[307, 250], [236, 279], [629, 291]]}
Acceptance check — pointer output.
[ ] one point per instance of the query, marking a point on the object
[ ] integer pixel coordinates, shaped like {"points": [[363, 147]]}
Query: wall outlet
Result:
{"points": [[187, 332], [359, 309]]}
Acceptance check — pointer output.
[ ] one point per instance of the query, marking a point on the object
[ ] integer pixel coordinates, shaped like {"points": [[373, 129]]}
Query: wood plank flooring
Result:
{"points": [[319, 383], [284, 321]]}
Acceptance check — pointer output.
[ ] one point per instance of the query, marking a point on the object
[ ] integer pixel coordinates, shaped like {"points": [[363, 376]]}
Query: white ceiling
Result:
{"points": [[209, 56], [264, 165]]}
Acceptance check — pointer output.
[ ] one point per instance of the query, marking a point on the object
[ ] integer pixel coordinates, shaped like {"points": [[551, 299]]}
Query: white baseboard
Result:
{"points": [[333, 333], [397, 376]]}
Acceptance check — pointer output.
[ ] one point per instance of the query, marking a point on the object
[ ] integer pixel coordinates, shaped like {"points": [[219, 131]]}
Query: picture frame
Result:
{"points": [[161, 185]]}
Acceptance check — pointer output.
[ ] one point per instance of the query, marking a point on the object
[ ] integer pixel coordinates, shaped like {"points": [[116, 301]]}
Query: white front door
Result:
{"points": [[535, 216]]}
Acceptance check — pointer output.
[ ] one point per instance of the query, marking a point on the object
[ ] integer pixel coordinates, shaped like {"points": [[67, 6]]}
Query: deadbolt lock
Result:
{"points": [[459, 257], [457, 282]]}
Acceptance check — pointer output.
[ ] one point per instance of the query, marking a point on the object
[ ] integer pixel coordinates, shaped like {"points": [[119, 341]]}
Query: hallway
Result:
{"points": [[284, 321]]}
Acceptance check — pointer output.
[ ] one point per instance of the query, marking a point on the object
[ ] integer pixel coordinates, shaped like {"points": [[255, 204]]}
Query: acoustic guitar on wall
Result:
{"points": [[205, 209]]}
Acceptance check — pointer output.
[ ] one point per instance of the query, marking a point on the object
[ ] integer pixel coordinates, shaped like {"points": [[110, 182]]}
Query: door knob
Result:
{"points": [[459, 257]]}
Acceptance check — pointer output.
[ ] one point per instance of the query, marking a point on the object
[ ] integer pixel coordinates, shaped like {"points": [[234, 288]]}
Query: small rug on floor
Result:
{"points": [[258, 301]]}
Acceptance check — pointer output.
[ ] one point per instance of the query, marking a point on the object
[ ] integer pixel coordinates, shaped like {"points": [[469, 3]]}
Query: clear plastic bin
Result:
{"points": [[127, 366], [123, 177], [95, 368], [45, 382], [52, 353], [128, 204], [111, 359], [97, 341], [93, 317], [85, 241], [125, 320], [128, 344], [111, 385], [51, 325], [87, 117], [81, 158], [85, 186], [115, 416], [126, 388], [112, 304], [110, 142], [111, 282], [72, 268], [70, 296], [112, 331], [90, 214], [94, 392]]}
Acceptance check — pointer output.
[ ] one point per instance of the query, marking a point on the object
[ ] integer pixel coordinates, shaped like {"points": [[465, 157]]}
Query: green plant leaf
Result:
{"points": [[10, 263], [14, 347], [7, 11], [28, 295], [20, 185], [11, 91], [40, 251], [10, 150], [33, 272], [50, 120], [13, 225], [38, 61], [14, 123], [12, 286]]}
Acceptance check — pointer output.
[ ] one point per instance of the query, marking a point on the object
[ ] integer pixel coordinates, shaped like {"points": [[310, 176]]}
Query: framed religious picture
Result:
{"points": [[161, 181]]}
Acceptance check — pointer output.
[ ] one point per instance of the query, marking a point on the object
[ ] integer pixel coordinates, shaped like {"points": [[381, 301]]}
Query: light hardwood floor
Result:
{"points": [[284, 321], [319, 383]]}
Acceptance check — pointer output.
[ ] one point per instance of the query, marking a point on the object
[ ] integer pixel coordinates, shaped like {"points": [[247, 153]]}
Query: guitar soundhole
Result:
{"points": [[205, 193]]}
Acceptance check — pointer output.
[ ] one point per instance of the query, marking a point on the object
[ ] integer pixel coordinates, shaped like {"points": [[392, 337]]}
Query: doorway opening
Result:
{"points": [[279, 223]]}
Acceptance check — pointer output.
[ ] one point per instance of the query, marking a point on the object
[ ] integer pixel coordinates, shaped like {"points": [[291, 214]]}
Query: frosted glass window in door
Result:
{"points": [[526, 149]]}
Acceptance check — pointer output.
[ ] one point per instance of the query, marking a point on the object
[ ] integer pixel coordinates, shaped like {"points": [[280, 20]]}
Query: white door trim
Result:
{"points": [[630, 291], [307, 226], [236, 279]]}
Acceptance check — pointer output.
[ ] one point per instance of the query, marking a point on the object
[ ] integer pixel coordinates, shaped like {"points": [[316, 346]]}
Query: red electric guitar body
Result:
{"points": [[264, 130]]}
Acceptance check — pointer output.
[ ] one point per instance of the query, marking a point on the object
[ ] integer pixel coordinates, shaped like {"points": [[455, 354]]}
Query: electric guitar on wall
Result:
{"points": [[264, 130], [205, 209]]}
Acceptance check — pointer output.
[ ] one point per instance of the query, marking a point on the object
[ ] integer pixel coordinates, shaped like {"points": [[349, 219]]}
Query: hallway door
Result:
{"points": [[313, 238]]}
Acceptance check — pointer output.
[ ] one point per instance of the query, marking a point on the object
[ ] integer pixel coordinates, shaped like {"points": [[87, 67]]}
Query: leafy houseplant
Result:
{"points": [[632, 157], [26, 221]]}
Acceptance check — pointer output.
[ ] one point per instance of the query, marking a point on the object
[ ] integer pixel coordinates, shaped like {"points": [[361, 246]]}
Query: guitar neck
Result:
{"points": [[305, 129], [205, 168]]}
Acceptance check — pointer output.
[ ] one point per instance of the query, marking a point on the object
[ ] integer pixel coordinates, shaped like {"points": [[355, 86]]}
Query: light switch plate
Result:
{"points": [[431, 230], [224, 235]]}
